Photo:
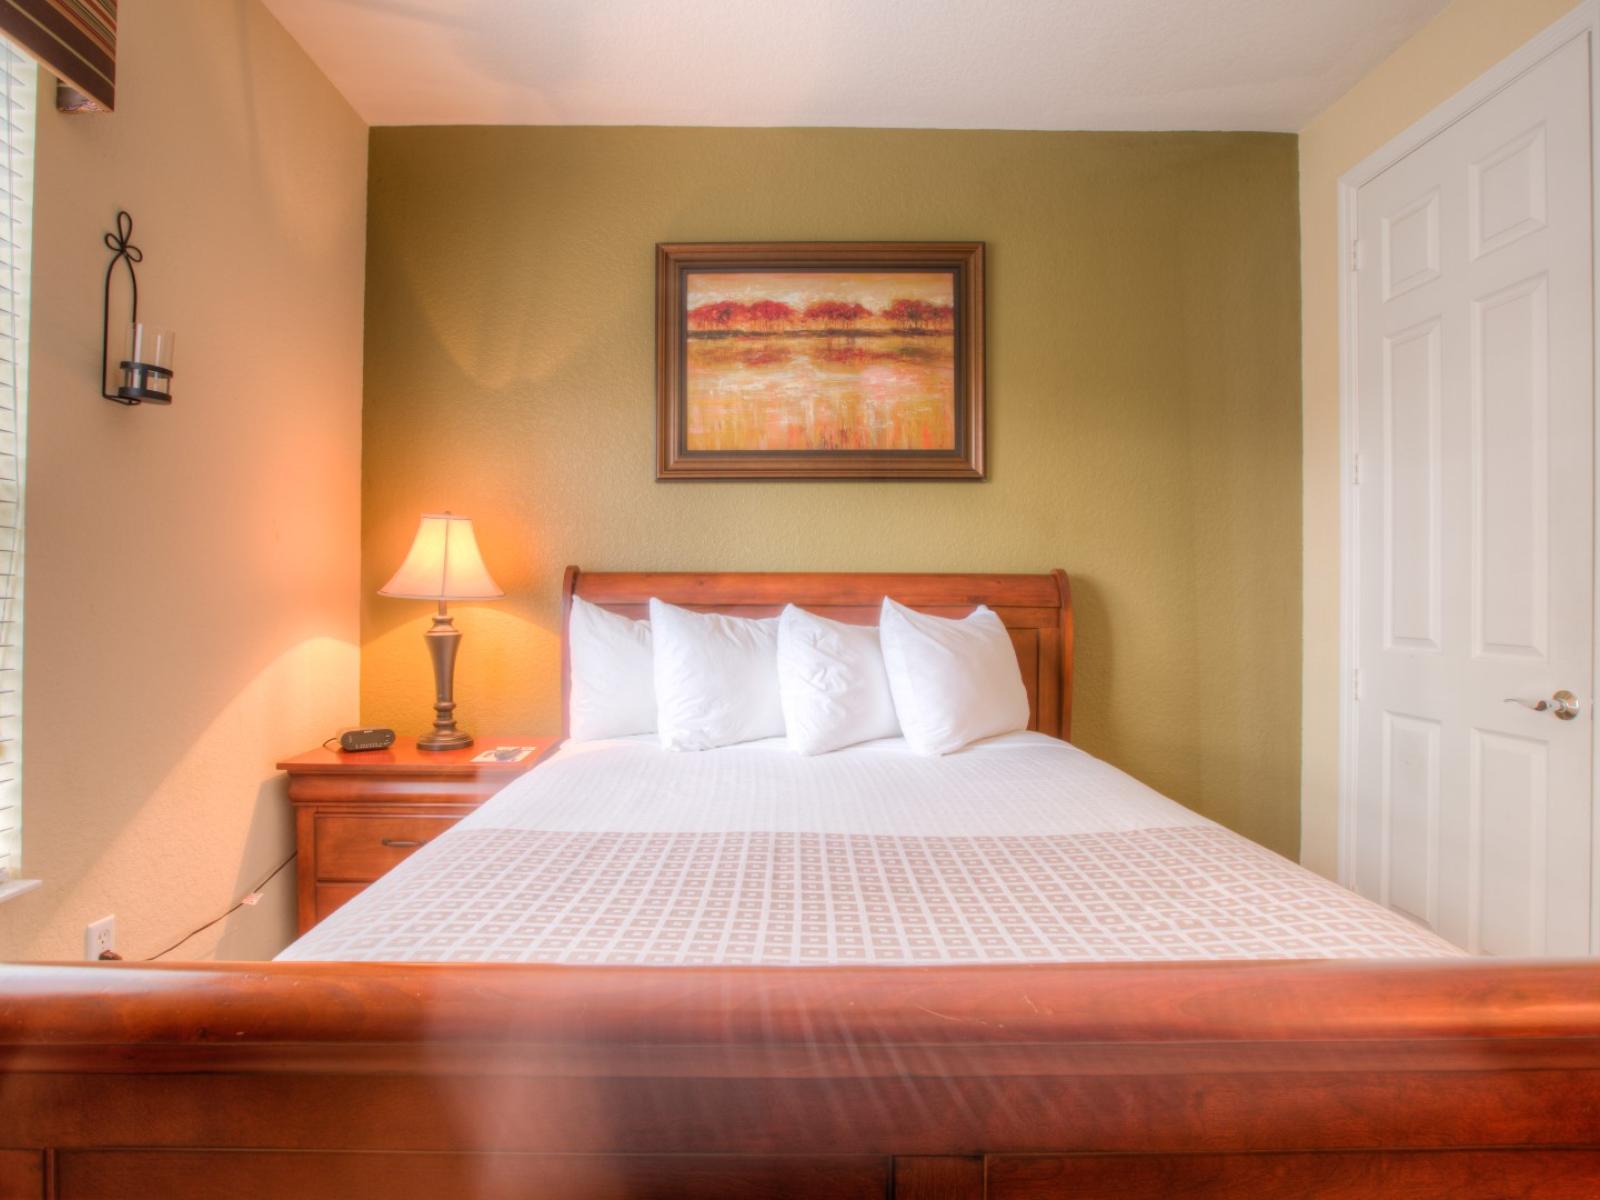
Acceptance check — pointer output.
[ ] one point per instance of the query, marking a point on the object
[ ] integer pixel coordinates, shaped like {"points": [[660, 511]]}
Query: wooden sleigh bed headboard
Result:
{"points": [[1036, 609]]}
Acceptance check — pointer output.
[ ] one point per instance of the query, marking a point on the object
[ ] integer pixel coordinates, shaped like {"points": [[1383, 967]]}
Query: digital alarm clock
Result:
{"points": [[366, 739]]}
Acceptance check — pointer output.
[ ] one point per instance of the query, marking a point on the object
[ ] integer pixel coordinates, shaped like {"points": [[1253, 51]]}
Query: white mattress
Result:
{"points": [[1020, 848]]}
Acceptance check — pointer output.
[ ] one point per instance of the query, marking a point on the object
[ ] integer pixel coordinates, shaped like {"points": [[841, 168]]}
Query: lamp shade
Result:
{"points": [[444, 564]]}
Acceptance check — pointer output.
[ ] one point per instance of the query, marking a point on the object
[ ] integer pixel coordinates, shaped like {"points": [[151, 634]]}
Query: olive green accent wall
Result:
{"points": [[1144, 408]]}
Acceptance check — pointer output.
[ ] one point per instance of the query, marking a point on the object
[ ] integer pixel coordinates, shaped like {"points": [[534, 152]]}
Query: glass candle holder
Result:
{"points": [[147, 369]]}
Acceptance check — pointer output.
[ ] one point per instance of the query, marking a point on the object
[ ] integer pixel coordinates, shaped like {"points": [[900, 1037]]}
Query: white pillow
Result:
{"points": [[830, 676], [953, 681], [613, 690], [716, 678]]}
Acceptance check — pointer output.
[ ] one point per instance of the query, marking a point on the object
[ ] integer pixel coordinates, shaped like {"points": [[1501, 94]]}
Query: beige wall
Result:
{"points": [[1460, 44], [1144, 412], [192, 571]]}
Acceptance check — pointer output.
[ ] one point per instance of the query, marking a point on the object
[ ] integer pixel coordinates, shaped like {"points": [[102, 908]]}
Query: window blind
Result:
{"points": [[18, 81]]}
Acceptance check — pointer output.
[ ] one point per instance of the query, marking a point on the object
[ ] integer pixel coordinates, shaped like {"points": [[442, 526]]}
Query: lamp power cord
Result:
{"points": [[251, 898]]}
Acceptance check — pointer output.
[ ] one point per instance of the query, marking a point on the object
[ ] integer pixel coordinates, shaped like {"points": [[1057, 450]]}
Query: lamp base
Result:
{"points": [[444, 741], [442, 641], [454, 740]]}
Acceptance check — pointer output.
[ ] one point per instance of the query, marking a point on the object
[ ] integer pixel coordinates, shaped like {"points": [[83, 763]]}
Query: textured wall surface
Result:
{"points": [[191, 571], [1144, 421], [1460, 44]]}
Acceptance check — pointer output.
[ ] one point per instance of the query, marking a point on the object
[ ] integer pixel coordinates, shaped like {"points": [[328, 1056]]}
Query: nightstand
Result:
{"points": [[357, 815]]}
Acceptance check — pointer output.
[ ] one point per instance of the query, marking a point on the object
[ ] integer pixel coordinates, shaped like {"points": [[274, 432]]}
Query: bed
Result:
{"points": [[1010, 973]]}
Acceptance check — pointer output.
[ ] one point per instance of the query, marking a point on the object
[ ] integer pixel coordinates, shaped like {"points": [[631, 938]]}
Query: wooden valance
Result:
{"points": [[76, 39]]}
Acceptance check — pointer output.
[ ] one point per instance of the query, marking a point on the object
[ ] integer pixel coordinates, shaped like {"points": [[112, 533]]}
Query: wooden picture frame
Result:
{"points": [[834, 375]]}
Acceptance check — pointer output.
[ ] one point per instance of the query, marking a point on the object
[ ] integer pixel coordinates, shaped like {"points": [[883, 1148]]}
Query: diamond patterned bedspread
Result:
{"points": [[1021, 849]]}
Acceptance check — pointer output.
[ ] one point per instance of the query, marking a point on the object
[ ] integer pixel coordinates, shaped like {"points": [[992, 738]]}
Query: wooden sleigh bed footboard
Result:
{"points": [[313, 1081]]}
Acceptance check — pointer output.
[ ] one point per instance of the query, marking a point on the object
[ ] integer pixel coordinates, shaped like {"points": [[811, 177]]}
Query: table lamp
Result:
{"points": [[443, 565]]}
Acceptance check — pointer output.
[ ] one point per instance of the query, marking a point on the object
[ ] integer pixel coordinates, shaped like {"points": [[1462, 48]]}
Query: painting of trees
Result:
{"points": [[771, 314], [766, 315], [836, 314], [719, 314], [919, 314]]}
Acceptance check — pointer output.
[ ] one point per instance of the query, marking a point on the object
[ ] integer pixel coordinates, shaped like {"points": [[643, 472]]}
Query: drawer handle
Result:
{"points": [[401, 843]]}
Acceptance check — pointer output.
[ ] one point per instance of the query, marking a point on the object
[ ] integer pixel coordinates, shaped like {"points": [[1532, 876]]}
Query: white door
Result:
{"points": [[1475, 399]]}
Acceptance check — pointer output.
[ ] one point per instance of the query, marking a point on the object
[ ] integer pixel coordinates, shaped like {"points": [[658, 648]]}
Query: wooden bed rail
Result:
{"points": [[1194, 1079], [97, 1005]]}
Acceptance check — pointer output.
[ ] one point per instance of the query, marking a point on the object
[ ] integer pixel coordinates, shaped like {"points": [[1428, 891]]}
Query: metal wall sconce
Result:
{"points": [[147, 369]]}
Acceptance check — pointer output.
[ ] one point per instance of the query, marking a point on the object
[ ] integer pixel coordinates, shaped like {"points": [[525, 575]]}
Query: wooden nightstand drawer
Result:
{"points": [[361, 848]]}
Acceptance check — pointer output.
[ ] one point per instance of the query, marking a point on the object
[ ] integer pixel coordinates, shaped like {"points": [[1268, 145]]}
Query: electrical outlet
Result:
{"points": [[99, 937]]}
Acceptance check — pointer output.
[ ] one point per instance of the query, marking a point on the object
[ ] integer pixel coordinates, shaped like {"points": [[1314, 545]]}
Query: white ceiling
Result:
{"points": [[949, 64]]}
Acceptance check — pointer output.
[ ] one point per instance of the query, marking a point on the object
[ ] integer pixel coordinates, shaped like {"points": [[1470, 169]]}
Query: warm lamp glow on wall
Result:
{"points": [[443, 565]]}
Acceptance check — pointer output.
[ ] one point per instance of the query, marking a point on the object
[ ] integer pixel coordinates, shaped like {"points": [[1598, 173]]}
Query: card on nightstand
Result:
{"points": [[504, 754]]}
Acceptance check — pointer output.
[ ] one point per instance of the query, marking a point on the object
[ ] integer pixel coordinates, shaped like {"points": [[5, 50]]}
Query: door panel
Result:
{"points": [[1411, 808], [1510, 418], [1411, 433]]}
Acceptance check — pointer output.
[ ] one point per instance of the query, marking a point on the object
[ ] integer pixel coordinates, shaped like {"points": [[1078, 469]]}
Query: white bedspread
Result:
{"points": [[1021, 848]]}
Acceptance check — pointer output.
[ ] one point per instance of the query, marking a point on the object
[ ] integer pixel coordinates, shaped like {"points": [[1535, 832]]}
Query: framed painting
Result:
{"points": [[819, 360]]}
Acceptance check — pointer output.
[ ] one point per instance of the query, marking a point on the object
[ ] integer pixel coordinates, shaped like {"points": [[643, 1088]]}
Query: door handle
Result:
{"points": [[1564, 705], [400, 843]]}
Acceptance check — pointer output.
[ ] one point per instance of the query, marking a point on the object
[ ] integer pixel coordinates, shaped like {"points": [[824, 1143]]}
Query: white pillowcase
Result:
{"points": [[831, 678], [953, 681], [613, 689], [716, 678]]}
